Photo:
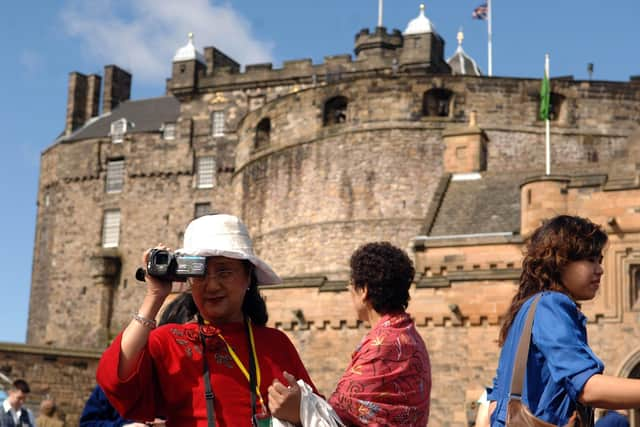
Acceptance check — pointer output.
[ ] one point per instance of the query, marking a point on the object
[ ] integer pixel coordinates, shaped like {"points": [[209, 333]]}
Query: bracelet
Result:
{"points": [[147, 323]]}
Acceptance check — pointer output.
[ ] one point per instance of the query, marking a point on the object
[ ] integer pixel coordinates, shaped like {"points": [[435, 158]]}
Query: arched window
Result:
{"points": [[437, 103], [556, 102], [556, 106], [335, 111], [263, 134]]}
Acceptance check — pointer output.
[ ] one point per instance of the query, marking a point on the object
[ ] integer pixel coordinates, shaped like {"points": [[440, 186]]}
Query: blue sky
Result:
{"points": [[42, 41]]}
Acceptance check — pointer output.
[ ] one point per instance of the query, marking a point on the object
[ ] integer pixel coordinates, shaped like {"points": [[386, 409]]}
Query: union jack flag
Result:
{"points": [[480, 12]]}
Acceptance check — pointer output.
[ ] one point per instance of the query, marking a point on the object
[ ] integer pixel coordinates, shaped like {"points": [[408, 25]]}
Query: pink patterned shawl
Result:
{"points": [[388, 381]]}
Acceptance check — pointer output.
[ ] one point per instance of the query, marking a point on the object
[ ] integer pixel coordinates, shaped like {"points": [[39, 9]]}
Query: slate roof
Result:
{"points": [[491, 204], [147, 115], [463, 64], [487, 205]]}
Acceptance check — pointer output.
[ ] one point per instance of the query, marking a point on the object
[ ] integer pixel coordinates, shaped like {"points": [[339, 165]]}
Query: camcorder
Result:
{"points": [[172, 267]]}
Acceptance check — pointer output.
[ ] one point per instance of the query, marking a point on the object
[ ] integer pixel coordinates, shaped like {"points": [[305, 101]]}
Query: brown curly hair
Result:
{"points": [[387, 272], [551, 247]]}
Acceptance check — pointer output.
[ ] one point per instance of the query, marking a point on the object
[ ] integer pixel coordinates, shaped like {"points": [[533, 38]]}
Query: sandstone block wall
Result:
{"points": [[67, 376]]}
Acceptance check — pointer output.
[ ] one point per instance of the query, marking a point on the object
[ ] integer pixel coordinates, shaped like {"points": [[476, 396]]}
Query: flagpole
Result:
{"points": [[547, 134], [489, 37], [380, 13]]}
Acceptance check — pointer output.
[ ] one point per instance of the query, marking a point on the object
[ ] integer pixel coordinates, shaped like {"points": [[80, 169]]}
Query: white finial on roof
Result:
{"points": [[460, 37], [420, 25], [188, 52]]}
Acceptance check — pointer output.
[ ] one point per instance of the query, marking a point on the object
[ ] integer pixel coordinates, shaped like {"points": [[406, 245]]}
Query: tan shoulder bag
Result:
{"points": [[518, 415]]}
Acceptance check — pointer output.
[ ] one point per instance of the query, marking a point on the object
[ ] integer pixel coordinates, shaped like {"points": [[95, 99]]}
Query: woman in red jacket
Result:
{"points": [[215, 371]]}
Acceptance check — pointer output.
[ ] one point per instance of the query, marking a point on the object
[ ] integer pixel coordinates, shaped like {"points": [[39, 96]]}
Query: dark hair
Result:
{"points": [[21, 385], [181, 310], [254, 305], [387, 272], [551, 247]]}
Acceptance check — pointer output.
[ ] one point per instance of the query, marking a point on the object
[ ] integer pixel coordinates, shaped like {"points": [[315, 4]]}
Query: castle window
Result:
{"points": [[118, 130], [202, 209], [169, 131], [115, 176], [205, 172], [111, 228], [217, 123], [634, 271], [335, 111], [263, 134], [556, 104], [437, 103]]}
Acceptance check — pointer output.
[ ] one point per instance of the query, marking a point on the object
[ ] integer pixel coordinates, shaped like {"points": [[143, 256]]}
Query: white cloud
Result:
{"points": [[143, 35]]}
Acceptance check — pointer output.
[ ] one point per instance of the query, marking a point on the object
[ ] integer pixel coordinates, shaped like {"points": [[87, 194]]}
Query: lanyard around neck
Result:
{"points": [[253, 377], [239, 363]]}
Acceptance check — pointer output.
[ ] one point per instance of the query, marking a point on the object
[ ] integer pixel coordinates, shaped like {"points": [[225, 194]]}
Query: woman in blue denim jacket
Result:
{"points": [[562, 263]]}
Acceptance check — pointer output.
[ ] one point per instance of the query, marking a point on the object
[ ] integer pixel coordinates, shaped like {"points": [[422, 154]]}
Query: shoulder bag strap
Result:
{"points": [[208, 391], [520, 364]]}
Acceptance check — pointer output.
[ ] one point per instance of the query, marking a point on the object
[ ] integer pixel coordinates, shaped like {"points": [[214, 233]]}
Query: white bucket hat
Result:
{"points": [[225, 235]]}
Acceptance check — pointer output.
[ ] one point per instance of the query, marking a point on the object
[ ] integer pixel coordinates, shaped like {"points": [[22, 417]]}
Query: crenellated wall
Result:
{"points": [[311, 190]]}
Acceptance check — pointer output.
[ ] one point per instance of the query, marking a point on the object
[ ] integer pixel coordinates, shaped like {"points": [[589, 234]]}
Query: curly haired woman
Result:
{"points": [[388, 382]]}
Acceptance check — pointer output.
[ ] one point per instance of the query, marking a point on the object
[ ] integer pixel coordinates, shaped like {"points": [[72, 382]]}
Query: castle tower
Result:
{"points": [[380, 44], [542, 197], [423, 47], [188, 66]]}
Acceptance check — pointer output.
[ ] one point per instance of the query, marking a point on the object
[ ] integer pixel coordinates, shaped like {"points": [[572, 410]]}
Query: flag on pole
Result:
{"points": [[545, 96], [480, 12]]}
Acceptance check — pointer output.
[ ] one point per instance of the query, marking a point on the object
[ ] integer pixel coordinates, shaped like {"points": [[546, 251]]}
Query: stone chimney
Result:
{"points": [[117, 87], [76, 102], [218, 61], [93, 96], [465, 148]]}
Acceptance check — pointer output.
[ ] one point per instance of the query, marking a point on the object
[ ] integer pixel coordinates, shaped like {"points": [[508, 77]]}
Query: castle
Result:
{"points": [[396, 143]]}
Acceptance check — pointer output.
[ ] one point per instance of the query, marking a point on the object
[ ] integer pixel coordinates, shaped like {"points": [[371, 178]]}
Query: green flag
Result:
{"points": [[545, 97]]}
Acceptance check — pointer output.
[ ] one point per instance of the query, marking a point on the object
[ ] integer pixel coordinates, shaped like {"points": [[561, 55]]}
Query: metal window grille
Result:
{"points": [[206, 171], [115, 176], [111, 229], [217, 127]]}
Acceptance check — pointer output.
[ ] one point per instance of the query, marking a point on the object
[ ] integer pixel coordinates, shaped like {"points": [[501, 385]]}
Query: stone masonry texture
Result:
{"points": [[311, 192]]}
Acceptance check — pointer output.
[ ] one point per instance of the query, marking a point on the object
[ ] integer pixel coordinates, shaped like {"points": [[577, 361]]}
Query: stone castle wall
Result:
{"points": [[66, 375], [314, 193]]}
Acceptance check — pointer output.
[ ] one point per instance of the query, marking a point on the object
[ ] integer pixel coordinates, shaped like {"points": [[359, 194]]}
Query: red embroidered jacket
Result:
{"points": [[168, 380]]}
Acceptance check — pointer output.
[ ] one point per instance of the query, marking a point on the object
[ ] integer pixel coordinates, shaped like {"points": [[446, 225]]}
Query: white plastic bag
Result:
{"points": [[314, 411]]}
